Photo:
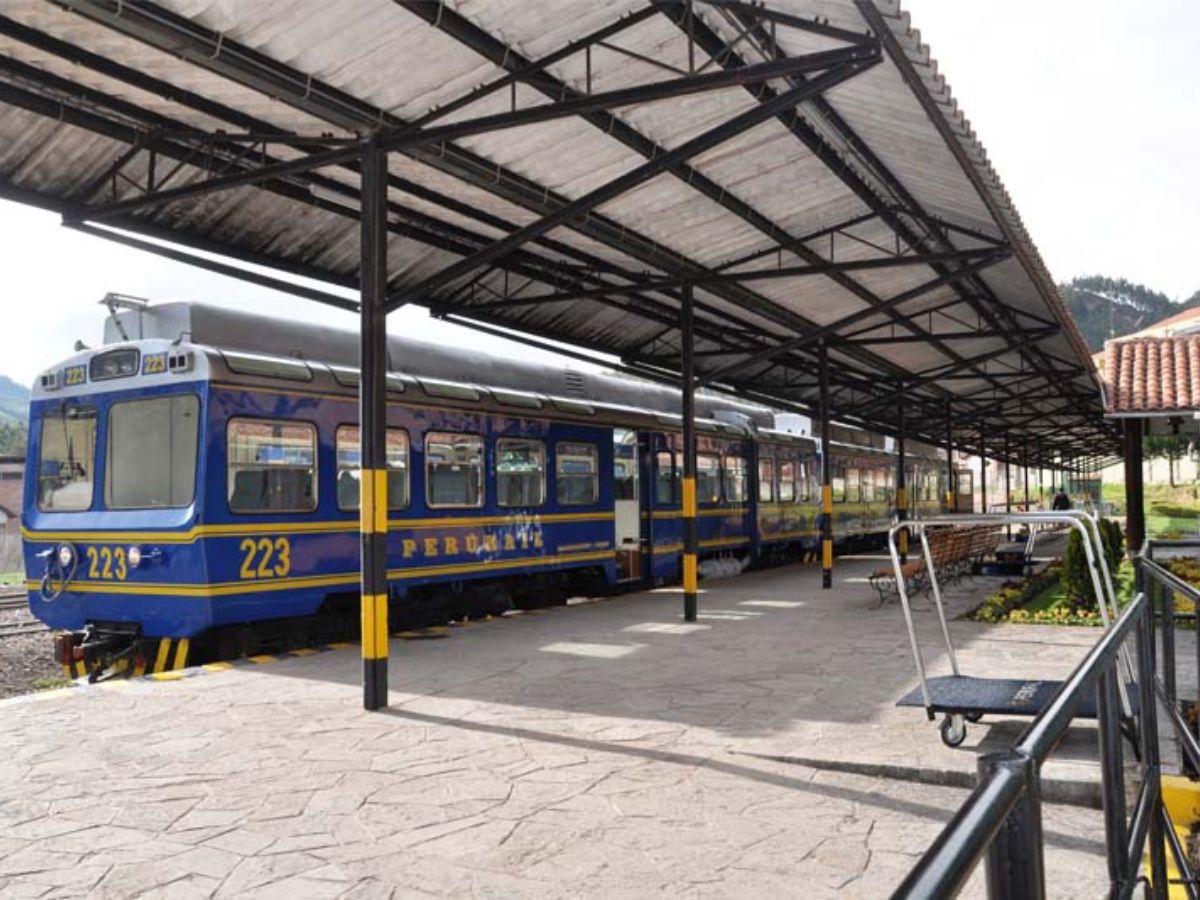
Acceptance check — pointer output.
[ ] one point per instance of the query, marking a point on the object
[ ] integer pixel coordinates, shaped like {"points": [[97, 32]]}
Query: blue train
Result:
{"points": [[192, 487]]}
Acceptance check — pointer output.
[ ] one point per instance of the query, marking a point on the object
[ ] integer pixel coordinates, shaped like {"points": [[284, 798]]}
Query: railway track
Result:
{"points": [[13, 600], [15, 629]]}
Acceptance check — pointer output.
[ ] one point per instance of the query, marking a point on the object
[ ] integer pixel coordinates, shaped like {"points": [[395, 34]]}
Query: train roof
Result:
{"points": [[215, 343], [238, 330]]}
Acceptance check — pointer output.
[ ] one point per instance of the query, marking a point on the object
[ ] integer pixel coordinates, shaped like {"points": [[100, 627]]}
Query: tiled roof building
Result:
{"points": [[1154, 375]]}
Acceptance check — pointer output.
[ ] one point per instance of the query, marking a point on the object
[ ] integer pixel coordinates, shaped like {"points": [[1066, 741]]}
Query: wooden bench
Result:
{"points": [[955, 553]]}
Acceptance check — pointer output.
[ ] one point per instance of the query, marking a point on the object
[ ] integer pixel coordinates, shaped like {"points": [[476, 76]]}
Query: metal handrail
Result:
{"points": [[1001, 819]]}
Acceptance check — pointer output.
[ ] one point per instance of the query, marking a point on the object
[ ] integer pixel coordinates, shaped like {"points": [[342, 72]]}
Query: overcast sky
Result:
{"points": [[1089, 110]]}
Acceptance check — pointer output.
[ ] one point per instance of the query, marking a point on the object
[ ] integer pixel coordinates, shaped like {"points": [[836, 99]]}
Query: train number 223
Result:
{"points": [[106, 563], [266, 558]]}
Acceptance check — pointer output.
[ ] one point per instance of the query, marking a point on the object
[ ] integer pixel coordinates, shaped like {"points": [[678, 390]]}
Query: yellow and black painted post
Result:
{"points": [[949, 457], [826, 474], [372, 396], [691, 544], [901, 485]]}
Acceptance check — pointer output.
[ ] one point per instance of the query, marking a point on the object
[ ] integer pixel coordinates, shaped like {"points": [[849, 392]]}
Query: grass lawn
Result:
{"points": [[7, 579]]}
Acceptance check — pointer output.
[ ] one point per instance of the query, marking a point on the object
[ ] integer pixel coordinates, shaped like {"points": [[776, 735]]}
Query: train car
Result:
{"points": [[193, 489]]}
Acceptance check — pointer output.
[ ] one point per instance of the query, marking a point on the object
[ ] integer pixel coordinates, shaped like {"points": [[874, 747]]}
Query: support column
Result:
{"points": [[372, 411], [1007, 480], [826, 474], [691, 544], [982, 473], [1135, 510], [950, 491], [1025, 470], [901, 486]]}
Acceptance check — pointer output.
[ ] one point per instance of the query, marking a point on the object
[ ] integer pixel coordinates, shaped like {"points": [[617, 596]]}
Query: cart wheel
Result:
{"points": [[954, 730], [974, 717]]}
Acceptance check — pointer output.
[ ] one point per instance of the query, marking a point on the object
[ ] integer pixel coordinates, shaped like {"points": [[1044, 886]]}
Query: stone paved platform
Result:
{"points": [[605, 749]]}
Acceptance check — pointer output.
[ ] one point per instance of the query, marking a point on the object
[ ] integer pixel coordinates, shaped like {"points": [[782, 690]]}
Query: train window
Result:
{"points": [[736, 490], [868, 484], [453, 469], [348, 449], [520, 472], [151, 455], [708, 478], [787, 481], [577, 473], [839, 483], [766, 480], [67, 459], [853, 484], [884, 483], [270, 466], [666, 479]]}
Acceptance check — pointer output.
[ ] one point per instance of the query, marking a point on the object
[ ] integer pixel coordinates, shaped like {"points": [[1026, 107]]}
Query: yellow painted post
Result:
{"points": [[691, 543], [826, 474]]}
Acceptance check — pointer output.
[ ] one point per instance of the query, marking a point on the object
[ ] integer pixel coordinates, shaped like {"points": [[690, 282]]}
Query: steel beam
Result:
{"points": [[824, 331], [842, 65]]}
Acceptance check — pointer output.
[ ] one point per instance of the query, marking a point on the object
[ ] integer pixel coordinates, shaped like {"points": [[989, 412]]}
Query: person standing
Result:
{"points": [[1061, 500]]}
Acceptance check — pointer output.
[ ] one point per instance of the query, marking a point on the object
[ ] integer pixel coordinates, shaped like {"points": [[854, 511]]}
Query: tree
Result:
{"points": [[1076, 580], [1169, 446], [12, 438]]}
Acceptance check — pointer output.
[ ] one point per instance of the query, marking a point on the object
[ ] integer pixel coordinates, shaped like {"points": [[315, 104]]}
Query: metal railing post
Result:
{"points": [[1015, 867], [1148, 728], [1168, 645], [1112, 773]]}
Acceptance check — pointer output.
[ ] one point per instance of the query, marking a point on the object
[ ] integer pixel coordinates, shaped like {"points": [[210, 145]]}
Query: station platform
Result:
{"points": [[605, 748]]}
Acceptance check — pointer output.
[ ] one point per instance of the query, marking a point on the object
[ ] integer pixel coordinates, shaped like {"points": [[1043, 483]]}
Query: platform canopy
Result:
{"points": [[570, 170]]}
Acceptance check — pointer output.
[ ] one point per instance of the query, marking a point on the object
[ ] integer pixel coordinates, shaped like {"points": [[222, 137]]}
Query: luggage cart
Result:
{"points": [[961, 698]]}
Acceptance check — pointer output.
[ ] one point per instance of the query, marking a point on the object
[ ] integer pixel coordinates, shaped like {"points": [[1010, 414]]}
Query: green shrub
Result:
{"points": [[1175, 510], [1117, 546], [1076, 579]]}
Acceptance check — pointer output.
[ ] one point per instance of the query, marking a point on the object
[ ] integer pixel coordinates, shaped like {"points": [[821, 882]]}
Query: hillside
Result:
{"points": [[1106, 308], [14, 402]]}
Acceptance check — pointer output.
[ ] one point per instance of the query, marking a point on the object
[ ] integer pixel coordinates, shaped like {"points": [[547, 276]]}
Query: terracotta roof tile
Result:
{"points": [[1153, 374]]}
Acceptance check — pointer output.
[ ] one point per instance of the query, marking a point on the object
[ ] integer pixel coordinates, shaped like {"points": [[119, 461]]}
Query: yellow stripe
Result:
{"points": [[164, 653], [329, 527], [904, 541], [222, 589], [950, 499], [381, 501], [140, 669], [689, 498], [67, 670], [369, 608], [366, 501], [181, 653], [827, 499], [381, 627], [827, 554], [689, 573]]}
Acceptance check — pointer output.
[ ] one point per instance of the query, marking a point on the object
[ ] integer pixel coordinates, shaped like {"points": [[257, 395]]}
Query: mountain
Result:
{"points": [[1106, 308], [14, 402]]}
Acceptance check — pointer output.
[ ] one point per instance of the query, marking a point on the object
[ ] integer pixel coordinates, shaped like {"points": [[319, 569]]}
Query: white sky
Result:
{"points": [[1088, 108]]}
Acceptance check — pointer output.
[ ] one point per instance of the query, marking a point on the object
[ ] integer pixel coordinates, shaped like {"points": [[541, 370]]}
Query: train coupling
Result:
{"points": [[93, 652]]}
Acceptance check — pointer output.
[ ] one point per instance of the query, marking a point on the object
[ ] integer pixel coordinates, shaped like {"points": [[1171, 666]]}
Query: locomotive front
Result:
{"points": [[110, 506]]}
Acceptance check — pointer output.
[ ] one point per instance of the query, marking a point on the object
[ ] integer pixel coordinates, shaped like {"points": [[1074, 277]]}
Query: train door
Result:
{"points": [[627, 507], [964, 491]]}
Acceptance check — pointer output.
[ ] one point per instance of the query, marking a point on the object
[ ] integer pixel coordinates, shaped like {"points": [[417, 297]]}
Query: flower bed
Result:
{"points": [[1001, 605]]}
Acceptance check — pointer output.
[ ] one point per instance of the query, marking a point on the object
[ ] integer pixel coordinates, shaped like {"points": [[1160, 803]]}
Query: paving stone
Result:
{"points": [[741, 759]]}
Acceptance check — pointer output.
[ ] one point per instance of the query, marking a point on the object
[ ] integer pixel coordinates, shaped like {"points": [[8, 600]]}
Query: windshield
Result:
{"points": [[152, 452], [67, 459]]}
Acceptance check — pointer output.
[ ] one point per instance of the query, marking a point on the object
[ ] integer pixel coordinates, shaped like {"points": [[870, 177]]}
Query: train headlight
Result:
{"points": [[134, 555], [65, 555]]}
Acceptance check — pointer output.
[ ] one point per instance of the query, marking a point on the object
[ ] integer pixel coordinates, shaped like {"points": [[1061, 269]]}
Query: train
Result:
{"points": [[192, 488]]}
